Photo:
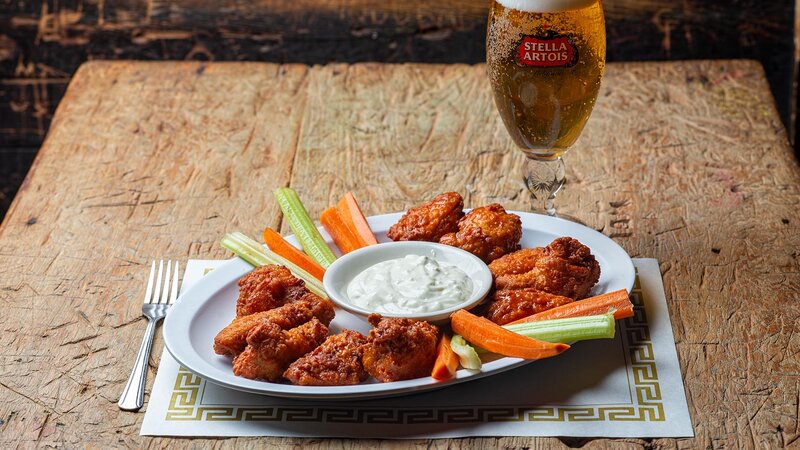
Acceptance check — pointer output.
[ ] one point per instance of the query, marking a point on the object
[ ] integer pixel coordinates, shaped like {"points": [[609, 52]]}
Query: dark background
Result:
{"points": [[43, 43]]}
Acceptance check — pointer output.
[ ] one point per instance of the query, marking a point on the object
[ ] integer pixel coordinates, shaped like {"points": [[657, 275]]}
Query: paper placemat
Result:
{"points": [[629, 386]]}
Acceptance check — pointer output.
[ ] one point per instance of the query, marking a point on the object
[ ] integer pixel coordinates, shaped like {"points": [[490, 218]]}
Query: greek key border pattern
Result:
{"points": [[645, 390]]}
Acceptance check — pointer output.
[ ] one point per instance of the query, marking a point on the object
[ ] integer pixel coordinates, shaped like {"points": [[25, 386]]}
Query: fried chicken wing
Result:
{"points": [[321, 308], [565, 267], [265, 288], [400, 349], [507, 306], [271, 349], [488, 232], [337, 362], [232, 340], [429, 221]]}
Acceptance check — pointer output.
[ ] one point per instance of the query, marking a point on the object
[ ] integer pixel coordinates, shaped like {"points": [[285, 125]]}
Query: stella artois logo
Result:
{"points": [[555, 51]]}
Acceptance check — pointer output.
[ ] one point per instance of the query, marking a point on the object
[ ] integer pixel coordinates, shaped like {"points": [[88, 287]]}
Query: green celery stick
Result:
{"points": [[466, 354], [243, 251], [303, 227], [568, 330]]}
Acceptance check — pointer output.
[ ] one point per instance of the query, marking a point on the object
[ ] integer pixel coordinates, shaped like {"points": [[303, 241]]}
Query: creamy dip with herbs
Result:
{"points": [[413, 284]]}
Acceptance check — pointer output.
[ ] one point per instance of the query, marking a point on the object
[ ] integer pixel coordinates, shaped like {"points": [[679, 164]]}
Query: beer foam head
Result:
{"points": [[546, 6]]}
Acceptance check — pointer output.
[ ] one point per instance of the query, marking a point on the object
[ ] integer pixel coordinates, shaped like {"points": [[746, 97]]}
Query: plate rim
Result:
{"points": [[233, 267]]}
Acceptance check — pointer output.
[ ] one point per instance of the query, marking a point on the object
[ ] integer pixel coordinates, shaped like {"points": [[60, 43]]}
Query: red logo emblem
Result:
{"points": [[557, 51]]}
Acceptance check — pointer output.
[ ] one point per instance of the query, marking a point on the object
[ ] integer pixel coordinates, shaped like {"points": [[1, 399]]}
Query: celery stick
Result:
{"points": [[568, 330], [466, 354], [259, 255], [242, 251], [303, 227]]}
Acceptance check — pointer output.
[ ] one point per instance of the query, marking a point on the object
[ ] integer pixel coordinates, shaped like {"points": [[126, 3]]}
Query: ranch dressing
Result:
{"points": [[413, 284]]}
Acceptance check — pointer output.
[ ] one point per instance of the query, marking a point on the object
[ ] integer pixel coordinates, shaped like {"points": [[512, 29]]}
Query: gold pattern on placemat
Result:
{"points": [[186, 401]]}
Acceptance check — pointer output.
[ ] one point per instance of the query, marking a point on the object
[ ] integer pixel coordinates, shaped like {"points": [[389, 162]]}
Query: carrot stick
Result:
{"points": [[342, 236], [446, 360], [617, 300], [279, 245], [355, 220], [487, 334]]}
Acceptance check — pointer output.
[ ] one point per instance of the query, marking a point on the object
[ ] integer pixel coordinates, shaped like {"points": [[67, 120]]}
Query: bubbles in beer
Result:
{"points": [[545, 70]]}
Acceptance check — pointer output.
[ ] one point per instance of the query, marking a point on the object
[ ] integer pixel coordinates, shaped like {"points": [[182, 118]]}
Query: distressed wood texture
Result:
{"points": [[684, 162], [42, 43]]}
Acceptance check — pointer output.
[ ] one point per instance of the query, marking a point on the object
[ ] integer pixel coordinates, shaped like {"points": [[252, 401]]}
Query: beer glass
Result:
{"points": [[546, 59]]}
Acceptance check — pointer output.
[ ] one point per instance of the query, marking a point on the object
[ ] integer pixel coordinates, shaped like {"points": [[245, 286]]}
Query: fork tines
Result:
{"points": [[164, 292]]}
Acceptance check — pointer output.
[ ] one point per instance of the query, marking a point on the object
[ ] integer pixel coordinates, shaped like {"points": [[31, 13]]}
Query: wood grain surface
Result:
{"points": [[684, 162], [43, 43]]}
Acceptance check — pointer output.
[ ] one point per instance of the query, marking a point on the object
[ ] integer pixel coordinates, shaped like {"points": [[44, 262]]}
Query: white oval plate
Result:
{"points": [[209, 305]]}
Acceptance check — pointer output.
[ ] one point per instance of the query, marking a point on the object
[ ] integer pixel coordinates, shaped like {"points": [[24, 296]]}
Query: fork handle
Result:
{"points": [[132, 397]]}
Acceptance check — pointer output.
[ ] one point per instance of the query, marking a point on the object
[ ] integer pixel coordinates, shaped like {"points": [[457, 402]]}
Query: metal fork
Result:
{"points": [[156, 304]]}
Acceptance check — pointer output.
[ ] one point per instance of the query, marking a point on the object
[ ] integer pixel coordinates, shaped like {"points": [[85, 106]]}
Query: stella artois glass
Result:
{"points": [[546, 59]]}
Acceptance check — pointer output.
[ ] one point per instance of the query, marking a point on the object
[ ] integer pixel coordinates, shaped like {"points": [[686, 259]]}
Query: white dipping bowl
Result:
{"points": [[339, 275]]}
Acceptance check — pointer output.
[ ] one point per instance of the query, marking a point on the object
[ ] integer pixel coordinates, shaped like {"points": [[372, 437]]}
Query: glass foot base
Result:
{"points": [[544, 178]]}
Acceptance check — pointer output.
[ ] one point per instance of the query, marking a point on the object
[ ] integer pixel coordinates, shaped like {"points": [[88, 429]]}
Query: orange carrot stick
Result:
{"points": [[342, 236], [446, 360], [279, 245], [487, 334], [355, 220], [617, 300]]}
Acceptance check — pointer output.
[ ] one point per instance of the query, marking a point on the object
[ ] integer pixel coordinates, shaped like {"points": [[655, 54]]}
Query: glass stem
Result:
{"points": [[544, 178]]}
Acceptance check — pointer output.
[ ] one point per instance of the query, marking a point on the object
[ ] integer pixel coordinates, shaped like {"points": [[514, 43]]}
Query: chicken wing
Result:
{"points": [[321, 308], [232, 340], [271, 349], [400, 349], [488, 232], [429, 221], [337, 362], [265, 288], [565, 267], [507, 306]]}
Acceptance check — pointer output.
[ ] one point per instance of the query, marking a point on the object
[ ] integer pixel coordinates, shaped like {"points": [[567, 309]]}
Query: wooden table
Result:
{"points": [[684, 162]]}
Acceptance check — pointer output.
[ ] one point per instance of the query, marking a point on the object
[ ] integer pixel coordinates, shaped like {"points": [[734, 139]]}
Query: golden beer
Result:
{"points": [[546, 59]]}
